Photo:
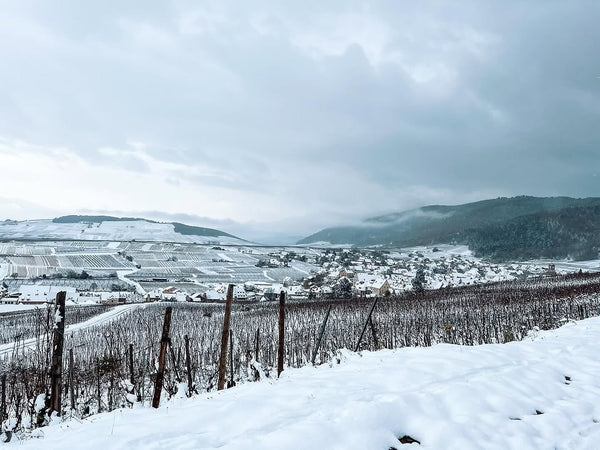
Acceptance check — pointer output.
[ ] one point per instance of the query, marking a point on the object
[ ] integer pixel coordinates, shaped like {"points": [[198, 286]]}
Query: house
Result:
{"points": [[152, 297], [346, 273], [115, 300], [297, 293], [11, 299], [215, 296], [170, 290], [380, 287], [195, 297], [38, 294], [270, 294], [240, 293], [369, 285], [90, 297]]}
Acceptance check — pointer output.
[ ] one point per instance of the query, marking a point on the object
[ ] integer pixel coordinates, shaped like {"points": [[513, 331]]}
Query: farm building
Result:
{"points": [[37, 294], [10, 299]]}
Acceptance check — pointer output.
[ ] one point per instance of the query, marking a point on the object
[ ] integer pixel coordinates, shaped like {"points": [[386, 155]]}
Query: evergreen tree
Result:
{"points": [[343, 288], [419, 281]]}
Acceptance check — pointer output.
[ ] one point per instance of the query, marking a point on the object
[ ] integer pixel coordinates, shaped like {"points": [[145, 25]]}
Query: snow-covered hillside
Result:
{"points": [[541, 393], [122, 230]]}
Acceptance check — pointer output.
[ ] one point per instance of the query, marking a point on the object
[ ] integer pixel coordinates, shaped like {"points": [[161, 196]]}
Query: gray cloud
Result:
{"points": [[332, 111]]}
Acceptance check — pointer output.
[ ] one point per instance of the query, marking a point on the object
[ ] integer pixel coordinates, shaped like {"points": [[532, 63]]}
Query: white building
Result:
{"points": [[36, 294]]}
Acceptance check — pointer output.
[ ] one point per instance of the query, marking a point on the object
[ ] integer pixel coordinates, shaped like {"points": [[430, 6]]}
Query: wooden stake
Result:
{"points": [[280, 349], [256, 344], [225, 339], [174, 361], [71, 381], [3, 415], [188, 365], [365, 327], [374, 333], [320, 336], [231, 382], [160, 375], [57, 353], [98, 392], [131, 374]]}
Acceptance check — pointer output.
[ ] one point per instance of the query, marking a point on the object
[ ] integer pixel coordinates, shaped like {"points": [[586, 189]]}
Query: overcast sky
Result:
{"points": [[291, 116]]}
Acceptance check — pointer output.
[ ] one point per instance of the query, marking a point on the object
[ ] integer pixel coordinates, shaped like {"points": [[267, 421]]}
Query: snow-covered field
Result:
{"points": [[140, 230], [541, 393]]}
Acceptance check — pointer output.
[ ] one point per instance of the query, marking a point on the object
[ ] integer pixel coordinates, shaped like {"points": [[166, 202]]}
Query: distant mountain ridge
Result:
{"points": [[502, 228], [80, 227]]}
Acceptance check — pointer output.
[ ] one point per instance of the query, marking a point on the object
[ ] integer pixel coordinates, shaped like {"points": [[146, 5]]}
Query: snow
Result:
{"points": [[446, 397], [108, 316], [20, 307], [107, 231], [40, 403]]}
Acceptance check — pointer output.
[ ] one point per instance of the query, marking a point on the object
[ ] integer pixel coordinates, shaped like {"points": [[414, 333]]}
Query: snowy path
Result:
{"points": [[447, 397], [122, 275], [108, 316]]}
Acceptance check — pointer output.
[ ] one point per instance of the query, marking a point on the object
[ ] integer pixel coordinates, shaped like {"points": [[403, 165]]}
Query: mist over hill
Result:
{"points": [[501, 228]]}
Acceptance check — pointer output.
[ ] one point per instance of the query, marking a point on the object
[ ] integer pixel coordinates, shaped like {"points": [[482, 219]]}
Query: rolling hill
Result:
{"points": [[113, 229], [502, 228]]}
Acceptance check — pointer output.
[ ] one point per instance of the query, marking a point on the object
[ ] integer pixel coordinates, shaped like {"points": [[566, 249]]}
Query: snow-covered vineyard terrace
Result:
{"points": [[541, 393]]}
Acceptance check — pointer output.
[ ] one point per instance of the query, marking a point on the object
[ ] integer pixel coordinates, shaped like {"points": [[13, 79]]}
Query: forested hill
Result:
{"points": [[570, 232], [503, 228]]}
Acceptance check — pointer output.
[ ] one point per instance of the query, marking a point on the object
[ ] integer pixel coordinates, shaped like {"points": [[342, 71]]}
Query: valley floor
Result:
{"points": [[541, 393]]}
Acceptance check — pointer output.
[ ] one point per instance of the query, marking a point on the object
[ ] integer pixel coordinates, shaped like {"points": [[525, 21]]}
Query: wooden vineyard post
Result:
{"points": [[280, 348], [365, 327], [98, 390], [231, 382], [374, 333], [131, 374], [225, 340], [3, 414], [160, 375], [57, 353], [142, 393], [256, 344], [188, 365], [320, 336], [71, 381], [174, 361]]}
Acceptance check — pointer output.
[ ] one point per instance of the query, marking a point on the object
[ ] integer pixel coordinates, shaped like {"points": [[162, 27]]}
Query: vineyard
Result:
{"points": [[116, 364]]}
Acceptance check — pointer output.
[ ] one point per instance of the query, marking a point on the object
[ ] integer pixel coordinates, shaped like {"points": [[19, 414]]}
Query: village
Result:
{"points": [[114, 273]]}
